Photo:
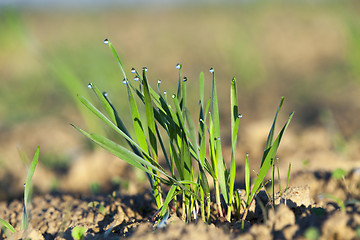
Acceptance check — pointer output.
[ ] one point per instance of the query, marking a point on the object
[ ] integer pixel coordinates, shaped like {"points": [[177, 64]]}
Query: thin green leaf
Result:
{"points": [[288, 177], [138, 127], [150, 117], [116, 55], [201, 88], [124, 154], [216, 134], [270, 138], [121, 126], [170, 196], [270, 156], [131, 158], [185, 160], [234, 131], [113, 126], [24, 220], [192, 132], [104, 102], [7, 225], [247, 177]]}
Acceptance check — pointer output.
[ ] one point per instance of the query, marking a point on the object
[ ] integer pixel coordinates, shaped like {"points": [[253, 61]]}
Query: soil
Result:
{"points": [[297, 210]]}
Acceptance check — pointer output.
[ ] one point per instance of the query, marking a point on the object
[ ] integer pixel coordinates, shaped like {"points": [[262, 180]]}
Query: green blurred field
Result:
{"points": [[307, 52]]}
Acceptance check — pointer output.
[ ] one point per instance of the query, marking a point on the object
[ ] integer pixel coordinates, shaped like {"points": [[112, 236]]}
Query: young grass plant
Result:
{"points": [[27, 190], [167, 130]]}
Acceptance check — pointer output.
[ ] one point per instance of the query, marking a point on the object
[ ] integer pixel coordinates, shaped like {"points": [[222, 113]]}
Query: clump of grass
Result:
{"points": [[168, 128], [27, 195]]}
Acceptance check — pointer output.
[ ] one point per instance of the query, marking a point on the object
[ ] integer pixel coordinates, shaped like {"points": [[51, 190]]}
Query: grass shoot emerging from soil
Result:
{"points": [[168, 128], [27, 194]]}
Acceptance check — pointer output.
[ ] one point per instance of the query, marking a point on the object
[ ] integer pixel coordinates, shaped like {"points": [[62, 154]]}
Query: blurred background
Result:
{"points": [[307, 51]]}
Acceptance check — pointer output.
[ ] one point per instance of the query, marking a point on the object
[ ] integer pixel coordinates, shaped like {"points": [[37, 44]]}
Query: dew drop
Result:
{"points": [[106, 41], [239, 191], [105, 94], [184, 79], [178, 66], [90, 85], [124, 81], [24, 184], [240, 115], [136, 78], [159, 81], [145, 69], [173, 96], [212, 70], [133, 70], [165, 92]]}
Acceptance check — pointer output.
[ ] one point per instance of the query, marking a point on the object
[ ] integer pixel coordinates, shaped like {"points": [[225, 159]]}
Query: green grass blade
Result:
{"points": [[104, 102], [201, 88], [216, 134], [124, 154], [270, 138], [150, 117], [116, 55], [120, 124], [278, 173], [134, 159], [163, 147], [170, 196], [7, 225], [247, 177], [234, 131], [269, 158], [288, 177], [113, 126], [185, 159], [192, 132], [24, 220], [152, 134], [135, 115], [183, 94], [179, 88], [222, 179]]}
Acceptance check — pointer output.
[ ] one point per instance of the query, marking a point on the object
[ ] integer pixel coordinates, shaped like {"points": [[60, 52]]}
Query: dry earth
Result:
{"points": [[117, 217]]}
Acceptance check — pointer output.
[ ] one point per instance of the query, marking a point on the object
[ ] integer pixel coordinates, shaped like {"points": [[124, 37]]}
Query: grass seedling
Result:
{"points": [[288, 177], [268, 160], [27, 186], [78, 233], [167, 129]]}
